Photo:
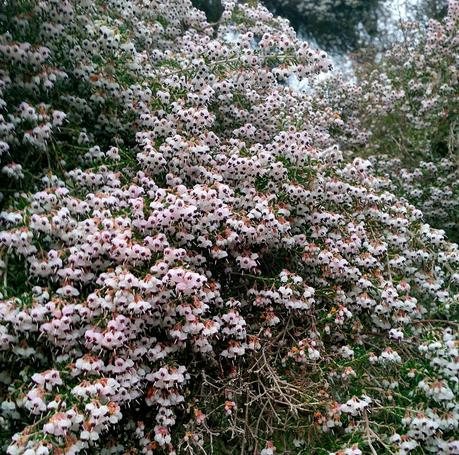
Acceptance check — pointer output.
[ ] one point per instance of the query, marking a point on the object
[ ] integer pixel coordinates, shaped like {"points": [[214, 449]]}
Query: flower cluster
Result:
{"points": [[198, 256]]}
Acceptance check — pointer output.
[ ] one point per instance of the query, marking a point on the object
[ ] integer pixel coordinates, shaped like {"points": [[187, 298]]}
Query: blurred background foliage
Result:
{"points": [[344, 26]]}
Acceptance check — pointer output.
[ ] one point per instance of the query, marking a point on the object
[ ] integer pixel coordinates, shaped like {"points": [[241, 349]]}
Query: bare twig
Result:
{"points": [[367, 427]]}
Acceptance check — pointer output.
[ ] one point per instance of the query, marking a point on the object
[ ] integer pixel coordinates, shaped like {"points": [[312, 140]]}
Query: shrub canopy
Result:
{"points": [[199, 269]]}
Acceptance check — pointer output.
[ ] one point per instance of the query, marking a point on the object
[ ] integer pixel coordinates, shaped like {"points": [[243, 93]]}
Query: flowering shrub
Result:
{"points": [[198, 267], [404, 112]]}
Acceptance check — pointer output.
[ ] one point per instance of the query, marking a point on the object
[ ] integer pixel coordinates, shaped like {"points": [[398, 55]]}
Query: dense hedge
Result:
{"points": [[189, 262]]}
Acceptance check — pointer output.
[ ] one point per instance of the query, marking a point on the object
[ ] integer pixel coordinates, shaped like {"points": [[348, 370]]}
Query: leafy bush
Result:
{"points": [[198, 269], [403, 111]]}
